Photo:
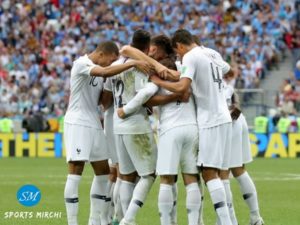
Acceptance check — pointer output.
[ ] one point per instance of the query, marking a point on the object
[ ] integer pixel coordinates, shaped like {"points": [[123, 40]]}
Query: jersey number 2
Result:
{"points": [[119, 89]]}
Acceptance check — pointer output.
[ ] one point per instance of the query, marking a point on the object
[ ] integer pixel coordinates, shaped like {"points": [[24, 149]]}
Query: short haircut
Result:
{"points": [[183, 37], [196, 39], [169, 63], [163, 42], [141, 40], [108, 47]]}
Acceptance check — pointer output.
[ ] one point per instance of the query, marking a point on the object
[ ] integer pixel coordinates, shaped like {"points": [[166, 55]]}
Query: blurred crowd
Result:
{"points": [[39, 39]]}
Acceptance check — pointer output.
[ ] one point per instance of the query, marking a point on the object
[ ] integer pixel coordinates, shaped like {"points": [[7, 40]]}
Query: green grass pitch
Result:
{"points": [[277, 181]]}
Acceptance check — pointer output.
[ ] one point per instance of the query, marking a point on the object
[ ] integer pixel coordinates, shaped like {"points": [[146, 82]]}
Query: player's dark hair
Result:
{"points": [[163, 42], [141, 40], [108, 47], [169, 63], [196, 39], [183, 37]]}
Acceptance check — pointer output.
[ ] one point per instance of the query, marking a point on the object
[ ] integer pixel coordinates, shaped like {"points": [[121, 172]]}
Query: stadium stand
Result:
{"points": [[40, 39]]}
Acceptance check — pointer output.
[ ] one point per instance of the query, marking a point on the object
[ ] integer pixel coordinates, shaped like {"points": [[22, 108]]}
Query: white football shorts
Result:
{"points": [[240, 143], [84, 143], [215, 146], [178, 147], [136, 152]]}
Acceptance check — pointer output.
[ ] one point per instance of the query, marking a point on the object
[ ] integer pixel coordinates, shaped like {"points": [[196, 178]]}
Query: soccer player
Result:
{"points": [[240, 155], [204, 75], [83, 136], [135, 144], [115, 210], [178, 136]]}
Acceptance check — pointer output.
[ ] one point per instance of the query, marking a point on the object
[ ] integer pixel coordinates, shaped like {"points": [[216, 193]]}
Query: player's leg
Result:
{"points": [[168, 158], [201, 187], [235, 155], [99, 193], [117, 213], [166, 199], [211, 159], [111, 184], [249, 192], [127, 172], [71, 190], [142, 151], [175, 198], [224, 175], [78, 145], [188, 136], [246, 184]]}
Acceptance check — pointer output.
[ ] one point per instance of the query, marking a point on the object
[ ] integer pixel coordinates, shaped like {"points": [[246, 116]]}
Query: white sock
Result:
{"points": [[109, 200], [174, 209], [140, 193], [218, 197], [98, 195], [125, 192], [165, 203], [249, 194], [193, 203], [71, 198], [201, 187], [229, 201], [118, 213]]}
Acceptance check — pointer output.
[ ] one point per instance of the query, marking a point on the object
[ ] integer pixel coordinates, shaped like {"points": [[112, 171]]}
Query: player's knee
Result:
{"points": [[238, 171], [131, 177], [190, 178], [167, 179], [224, 174], [101, 167], [209, 174], [76, 167]]}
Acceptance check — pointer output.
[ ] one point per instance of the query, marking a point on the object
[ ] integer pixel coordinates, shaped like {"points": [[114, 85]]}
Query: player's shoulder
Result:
{"points": [[81, 60], [119, 61]]}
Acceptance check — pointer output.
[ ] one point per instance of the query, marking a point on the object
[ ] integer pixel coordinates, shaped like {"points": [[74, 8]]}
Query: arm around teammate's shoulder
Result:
{"points": [[180, 87], [109, 71]]}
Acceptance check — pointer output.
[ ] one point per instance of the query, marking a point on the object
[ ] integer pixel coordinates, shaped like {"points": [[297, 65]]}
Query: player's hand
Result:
{"points": [[162, 72], [185, 96], [155, 79], [143, 66], [235, 113], [121, 113]]}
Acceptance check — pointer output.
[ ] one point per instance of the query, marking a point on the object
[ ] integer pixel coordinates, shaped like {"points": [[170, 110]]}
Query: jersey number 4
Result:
{"points": [[218, 78]]}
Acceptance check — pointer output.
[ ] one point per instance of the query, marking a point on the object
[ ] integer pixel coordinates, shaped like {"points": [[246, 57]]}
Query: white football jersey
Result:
{"points": [[207, 87], [176, 114], [217, 59], [124, 87], [228, 93], [85, 94]]}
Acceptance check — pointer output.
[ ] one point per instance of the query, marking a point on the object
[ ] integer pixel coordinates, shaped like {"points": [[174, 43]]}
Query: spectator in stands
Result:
{"points": [[6, 123], [40, 39]]}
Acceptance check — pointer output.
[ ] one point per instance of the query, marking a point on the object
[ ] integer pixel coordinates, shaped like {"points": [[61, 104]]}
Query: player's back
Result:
{"points": [[177, 113], [85, 94], [125, 86], [207, 88]]}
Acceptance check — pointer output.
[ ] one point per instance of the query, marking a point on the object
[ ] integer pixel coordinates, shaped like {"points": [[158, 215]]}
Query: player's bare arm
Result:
{"points": [[106, 99], [182, 86], [109, 71], [235, 110], [164, 72]]}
